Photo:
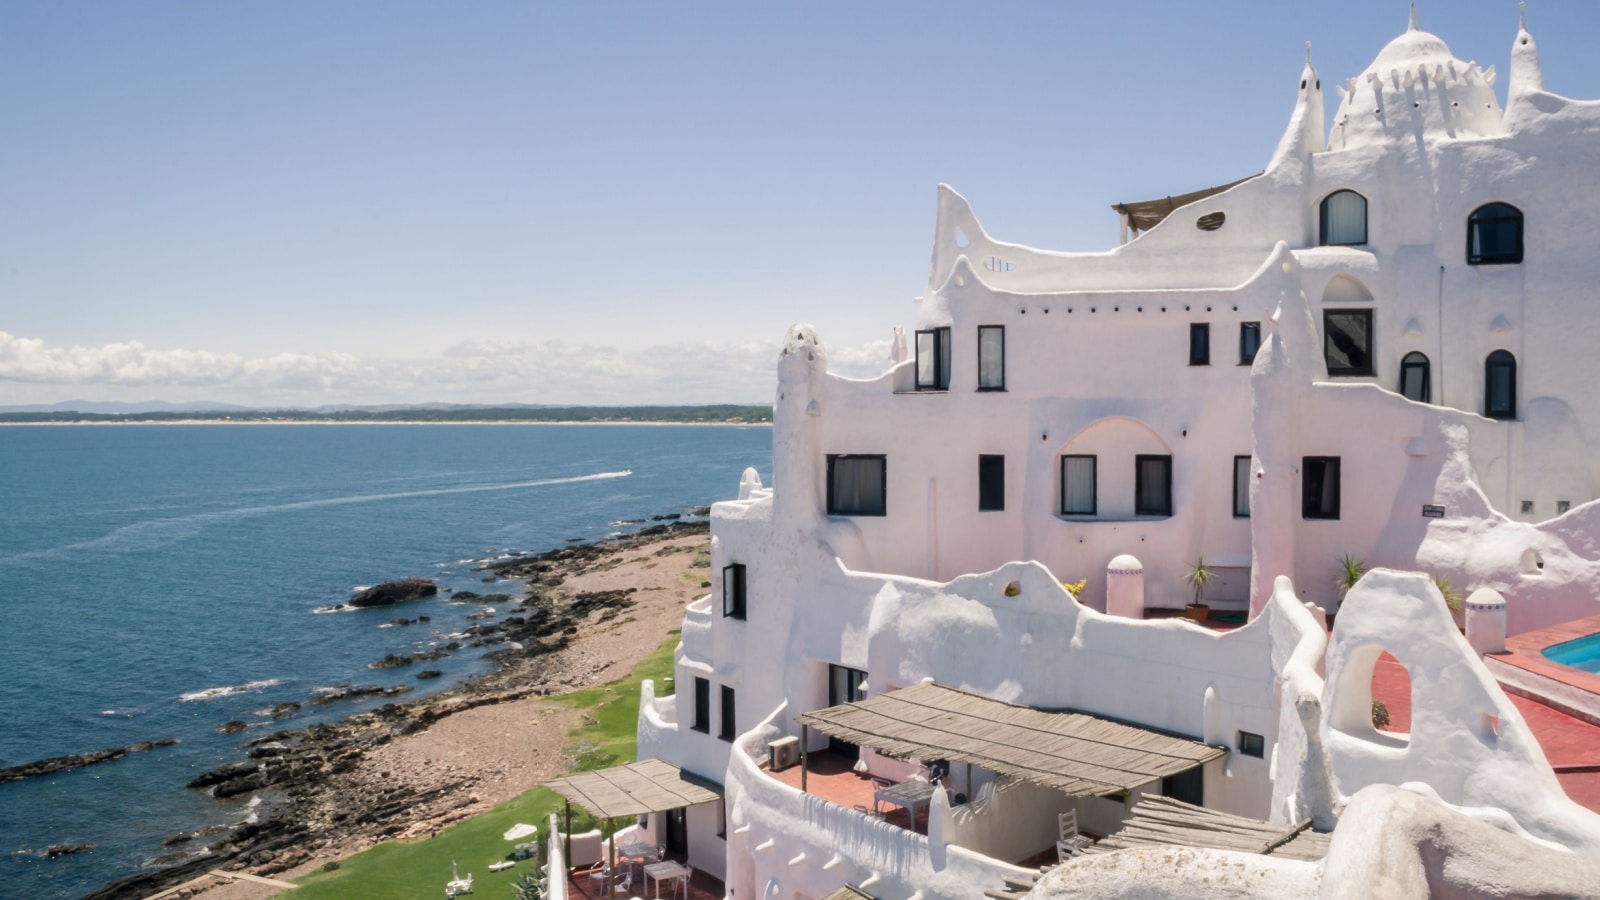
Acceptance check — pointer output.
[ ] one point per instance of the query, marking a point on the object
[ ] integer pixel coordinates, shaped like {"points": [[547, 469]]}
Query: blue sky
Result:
{"points": [[332, 202]]}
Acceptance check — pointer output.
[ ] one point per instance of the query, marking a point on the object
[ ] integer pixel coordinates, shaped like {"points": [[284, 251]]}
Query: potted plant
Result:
{"points": [[1350, 572], [1200, 574]]}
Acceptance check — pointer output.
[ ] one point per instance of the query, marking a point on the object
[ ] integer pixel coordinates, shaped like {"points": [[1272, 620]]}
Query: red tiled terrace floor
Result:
{"points": [[833, 778]]}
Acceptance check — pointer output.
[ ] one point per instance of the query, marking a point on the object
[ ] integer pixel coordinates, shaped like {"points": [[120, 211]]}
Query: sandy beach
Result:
{"points": [[484, 755]]}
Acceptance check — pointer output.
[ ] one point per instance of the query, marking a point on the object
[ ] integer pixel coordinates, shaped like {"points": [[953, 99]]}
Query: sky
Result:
{"points": [[380, 201]]}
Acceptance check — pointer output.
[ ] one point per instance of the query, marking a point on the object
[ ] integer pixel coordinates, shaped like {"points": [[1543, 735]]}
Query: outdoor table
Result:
{"points": [[912, 795], [667, 870], [636, 850]]}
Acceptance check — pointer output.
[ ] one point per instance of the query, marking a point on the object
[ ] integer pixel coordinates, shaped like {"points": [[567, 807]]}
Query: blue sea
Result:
{"points": [[159, 581]]}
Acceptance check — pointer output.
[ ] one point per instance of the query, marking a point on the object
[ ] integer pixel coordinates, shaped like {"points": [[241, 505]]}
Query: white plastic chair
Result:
{"points": [[624, 884], [1070, 840]]}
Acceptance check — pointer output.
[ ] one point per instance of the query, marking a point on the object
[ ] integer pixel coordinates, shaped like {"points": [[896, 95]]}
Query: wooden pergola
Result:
{"points": [[633, 789], [1079, 754]]}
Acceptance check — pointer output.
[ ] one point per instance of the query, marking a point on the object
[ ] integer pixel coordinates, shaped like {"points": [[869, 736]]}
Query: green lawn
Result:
{"points": [[394, 870]]}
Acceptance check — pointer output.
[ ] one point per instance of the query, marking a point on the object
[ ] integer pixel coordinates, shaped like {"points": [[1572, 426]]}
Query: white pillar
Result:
{"points": [[1486, 621], [1125, 587]]}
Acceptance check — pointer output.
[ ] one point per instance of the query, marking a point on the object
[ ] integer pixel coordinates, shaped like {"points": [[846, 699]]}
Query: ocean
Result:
{"points": [[159, 581]]}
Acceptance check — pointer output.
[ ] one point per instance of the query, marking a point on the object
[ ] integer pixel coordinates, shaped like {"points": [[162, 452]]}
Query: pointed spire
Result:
{"points": [[1308, 53], [1413, 26], [1522, 15]]}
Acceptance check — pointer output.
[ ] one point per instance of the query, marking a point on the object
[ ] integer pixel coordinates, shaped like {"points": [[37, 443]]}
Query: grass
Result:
{"points": [[419, 867]]}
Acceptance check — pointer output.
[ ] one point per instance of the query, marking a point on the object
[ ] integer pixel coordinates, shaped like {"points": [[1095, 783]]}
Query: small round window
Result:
{"points": [[1210, 221]]}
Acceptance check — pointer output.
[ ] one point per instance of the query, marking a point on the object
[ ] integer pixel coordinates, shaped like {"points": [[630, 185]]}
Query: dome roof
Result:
{"points": [[1410, 50]]}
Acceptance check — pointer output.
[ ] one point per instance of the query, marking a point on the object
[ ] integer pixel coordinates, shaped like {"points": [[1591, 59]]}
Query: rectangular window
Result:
{"points": [[857, 485], [933, 360], [991, 483], [1077, 485], [1241, 487], [1199, 344], [1249, 342], [728, 730], [733, 591], [846, 685], [1252, 745], [1319, 487], [702, 706], [991, 357], [1152, 476], [1347, 341]]}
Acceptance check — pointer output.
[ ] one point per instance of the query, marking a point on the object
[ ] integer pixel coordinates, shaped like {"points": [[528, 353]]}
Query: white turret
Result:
{"points": [[1527, 77]]}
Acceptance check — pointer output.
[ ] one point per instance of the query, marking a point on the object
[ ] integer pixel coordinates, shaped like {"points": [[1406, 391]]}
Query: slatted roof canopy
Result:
{"points": [[1147, 214], [646, 786], [1080, 754], [1165, 822], [849, 892]]}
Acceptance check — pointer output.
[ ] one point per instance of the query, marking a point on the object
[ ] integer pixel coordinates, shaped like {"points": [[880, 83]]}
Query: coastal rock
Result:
{"points": [[77, 760], [233, 726], [391, 592], [394, 661], [428, 673]]}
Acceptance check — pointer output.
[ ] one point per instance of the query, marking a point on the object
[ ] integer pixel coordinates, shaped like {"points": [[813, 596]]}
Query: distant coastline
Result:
{"points": [[554, 415]]}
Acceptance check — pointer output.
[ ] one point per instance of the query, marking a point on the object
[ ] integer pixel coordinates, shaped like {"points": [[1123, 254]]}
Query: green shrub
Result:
{"points": [[1380, 714]]}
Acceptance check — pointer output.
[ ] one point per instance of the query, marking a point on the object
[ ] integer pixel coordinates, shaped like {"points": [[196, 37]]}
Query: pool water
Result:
{"points": [[1583, 653]]}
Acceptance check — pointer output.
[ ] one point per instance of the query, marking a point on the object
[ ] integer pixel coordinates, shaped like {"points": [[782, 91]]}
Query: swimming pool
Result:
{"points": [[1583, 653]]}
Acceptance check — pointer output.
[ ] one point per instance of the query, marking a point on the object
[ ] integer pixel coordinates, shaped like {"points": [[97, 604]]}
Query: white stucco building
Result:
{"points": [[1378, 347]]}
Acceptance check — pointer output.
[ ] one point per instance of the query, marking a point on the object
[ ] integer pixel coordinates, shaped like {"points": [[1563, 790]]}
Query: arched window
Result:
{"points": [[1500, 385], [1494, 235], [1344, 219], [1414, 377]]}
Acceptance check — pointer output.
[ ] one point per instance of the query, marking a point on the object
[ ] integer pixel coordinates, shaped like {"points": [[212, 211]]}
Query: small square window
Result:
{"points": [[728, 730], [1077, 485], [1199, 344], [1152, 476], [1249, 342], [702, 706], [733, 596], [991, 483], [1241, 487], [991, 357], [1527, 507], [1562, 506], [1319, 487], [1252, 745], [1347, 341], [857, 486]]}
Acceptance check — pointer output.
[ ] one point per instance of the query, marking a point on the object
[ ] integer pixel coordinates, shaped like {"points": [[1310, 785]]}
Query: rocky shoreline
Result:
{"points": [[311, 790]]}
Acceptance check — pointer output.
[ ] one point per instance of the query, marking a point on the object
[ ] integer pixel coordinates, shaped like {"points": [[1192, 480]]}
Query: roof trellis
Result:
{"points": [[849, 892], [1165, 822], [1077, 753], [1147, 214], [646, 786]]}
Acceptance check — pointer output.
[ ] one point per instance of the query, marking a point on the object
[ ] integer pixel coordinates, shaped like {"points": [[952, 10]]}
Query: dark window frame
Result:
{"points": [[1252, 744], [834, 509], [941, 359], [1416, 359], [1139, 509], [702, 706], [1327, 338], [991, 482], [727, 718], [1246, 479], [1322, 230], [1002, 385], [1249, 342], [1199, 343], [1495, 214], [1094, 485], [1500, 359], [734, 596], [1314, 472], [853, 679]]}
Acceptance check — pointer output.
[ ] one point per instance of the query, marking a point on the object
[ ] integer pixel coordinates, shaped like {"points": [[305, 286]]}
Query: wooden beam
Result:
{"points": [[805, 738]]}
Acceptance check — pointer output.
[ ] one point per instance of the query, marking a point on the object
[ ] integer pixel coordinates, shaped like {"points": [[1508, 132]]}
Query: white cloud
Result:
{"points": [[470, 372]]}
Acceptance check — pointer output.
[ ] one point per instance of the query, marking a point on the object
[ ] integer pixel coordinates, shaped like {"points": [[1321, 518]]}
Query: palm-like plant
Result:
{"points": [[1200, 574], [1452, 599], [527, 887], [1350, 572]]}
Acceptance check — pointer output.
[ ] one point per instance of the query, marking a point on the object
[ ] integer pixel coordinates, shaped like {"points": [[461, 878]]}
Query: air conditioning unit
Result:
{"points": [[783, 753]]}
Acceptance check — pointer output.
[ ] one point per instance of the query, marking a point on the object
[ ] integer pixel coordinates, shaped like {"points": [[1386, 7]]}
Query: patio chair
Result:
{"points": [[1070, 841], [624, 884], [688, 876]]}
